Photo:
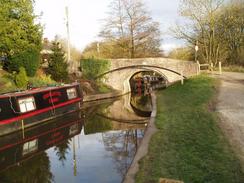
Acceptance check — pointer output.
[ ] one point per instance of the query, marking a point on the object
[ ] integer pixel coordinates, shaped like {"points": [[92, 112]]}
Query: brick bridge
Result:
{"points": [[121, 70]]}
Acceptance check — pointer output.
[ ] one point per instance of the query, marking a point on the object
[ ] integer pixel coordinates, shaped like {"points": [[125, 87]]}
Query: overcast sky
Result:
{"points": [[86, 19]]}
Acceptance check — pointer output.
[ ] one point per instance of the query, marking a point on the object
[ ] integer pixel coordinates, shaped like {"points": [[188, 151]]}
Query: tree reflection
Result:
{"points": [[123, 146], [62, 150], [35, 170], [95, 123]]}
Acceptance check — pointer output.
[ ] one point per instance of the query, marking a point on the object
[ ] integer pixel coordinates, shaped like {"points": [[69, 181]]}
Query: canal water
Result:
{"points": [[94, 145]]}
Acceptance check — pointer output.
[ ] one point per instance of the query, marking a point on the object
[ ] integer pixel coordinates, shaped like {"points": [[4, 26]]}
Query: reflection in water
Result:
{"points": [[123, 146], [34, 170], [141, 104], [95, 123], [62, 150], [79, 147], [127, 110], [25, 155]]}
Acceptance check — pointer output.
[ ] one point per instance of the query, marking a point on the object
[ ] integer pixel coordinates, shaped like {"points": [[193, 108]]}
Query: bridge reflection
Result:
{"points": [[132, 110]]}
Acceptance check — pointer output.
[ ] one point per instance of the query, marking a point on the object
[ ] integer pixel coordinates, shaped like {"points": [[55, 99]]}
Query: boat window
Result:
{"points": [[30, 147], [71, 92], [27, 104]]}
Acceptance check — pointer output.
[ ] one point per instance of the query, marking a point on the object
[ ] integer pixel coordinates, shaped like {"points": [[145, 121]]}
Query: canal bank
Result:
{"points": [[143, 149], [189, 145], [102, 96]]}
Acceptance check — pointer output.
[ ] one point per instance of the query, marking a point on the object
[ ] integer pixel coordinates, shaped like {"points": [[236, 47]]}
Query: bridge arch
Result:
{"points": [[122, 70], [124, 75]]}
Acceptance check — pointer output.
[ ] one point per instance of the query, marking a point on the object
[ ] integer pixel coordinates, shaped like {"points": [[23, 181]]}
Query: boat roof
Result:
{"points": [[36, 90]]}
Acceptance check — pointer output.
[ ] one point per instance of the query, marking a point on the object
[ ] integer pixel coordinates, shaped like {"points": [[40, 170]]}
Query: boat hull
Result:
{"points": [[37, 119], [49, 103]]}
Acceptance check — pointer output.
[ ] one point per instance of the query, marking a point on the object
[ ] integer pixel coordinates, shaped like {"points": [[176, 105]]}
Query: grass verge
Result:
{"points": [[189, 145], [233, 68]]}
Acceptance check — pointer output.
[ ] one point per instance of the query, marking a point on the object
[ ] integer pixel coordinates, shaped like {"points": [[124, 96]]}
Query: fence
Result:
{"points": [[208, 67]]}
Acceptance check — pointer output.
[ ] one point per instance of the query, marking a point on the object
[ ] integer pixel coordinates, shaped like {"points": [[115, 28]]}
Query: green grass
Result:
{"points": [[103, 88], [189, 145]]}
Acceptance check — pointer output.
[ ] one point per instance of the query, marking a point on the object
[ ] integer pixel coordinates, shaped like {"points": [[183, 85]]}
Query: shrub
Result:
{"points": [[91, 68], [7, 85], [21, 78], [29, 59], [42, 80]]}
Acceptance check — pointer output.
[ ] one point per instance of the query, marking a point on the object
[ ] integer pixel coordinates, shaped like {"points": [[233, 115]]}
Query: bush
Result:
{"points": [[21, 78], [7, 85], [91, 68], [29, 59], [42, 80]]}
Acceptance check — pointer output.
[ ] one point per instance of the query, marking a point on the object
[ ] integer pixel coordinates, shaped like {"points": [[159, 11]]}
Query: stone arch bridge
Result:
{"points": [[121, 70]]}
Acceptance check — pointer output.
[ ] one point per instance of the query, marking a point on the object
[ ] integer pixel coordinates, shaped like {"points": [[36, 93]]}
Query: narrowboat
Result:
{"points": [[23, 145], [143, 84], [23, 109]]}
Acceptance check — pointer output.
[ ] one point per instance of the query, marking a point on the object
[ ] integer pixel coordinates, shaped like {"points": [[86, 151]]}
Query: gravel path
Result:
{"points": [[231, 109]]}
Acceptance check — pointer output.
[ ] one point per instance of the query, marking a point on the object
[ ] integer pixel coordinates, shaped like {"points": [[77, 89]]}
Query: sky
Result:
{"points": [[86, 18]]}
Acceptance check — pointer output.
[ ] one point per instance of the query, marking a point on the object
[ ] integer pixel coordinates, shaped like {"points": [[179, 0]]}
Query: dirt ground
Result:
{"points": [[230, 107]]}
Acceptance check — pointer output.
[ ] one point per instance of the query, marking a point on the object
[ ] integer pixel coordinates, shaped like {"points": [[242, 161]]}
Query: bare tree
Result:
{"points": [[230, 31], [131, 29], [74, 52], [201, 26]]}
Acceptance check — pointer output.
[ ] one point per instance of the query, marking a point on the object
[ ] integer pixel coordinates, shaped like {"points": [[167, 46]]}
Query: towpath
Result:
{"points": [[230, 106]]}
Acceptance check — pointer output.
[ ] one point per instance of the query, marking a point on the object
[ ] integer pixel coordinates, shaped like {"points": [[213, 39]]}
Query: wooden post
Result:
{"points": [[211, 65], [198, 68], [220, 68], [182, 78], [23, 128]]}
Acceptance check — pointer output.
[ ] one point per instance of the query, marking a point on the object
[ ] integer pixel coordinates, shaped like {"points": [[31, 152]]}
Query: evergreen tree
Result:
{"points": [[20, 36], [58, 68], [21, 78]]}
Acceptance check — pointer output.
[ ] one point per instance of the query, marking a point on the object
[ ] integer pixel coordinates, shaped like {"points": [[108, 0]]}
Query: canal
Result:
{"points": [[96, 144]]}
